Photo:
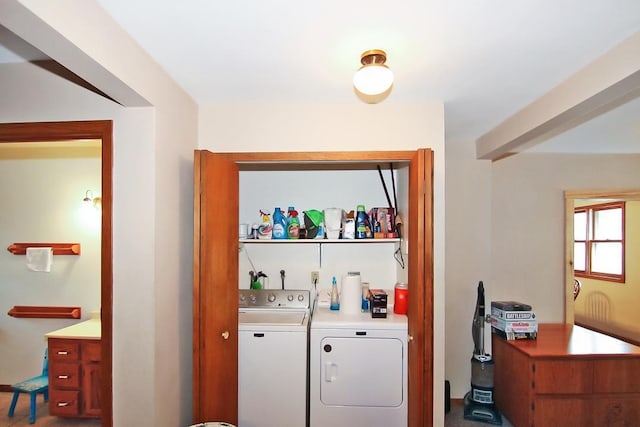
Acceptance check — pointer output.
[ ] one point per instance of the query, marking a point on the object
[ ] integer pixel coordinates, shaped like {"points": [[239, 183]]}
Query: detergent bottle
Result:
{"points": [[265, 229], [293, 229], [363, 228], [279, 224]]}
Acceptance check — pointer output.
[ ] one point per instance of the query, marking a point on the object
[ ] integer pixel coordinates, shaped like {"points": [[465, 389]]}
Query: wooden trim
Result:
{"points": [[569, 197], [620, 337], [315, 157], [45, 312], [92, 129], [602, 194], [420, 256], [196, 284]]}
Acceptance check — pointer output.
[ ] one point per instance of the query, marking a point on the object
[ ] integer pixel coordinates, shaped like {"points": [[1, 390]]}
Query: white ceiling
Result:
{"points": [[485, 59]]}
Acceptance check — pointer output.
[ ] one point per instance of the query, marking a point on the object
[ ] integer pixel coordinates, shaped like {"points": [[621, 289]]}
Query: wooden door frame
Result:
{"points": [[69, 131], [420, 261]]}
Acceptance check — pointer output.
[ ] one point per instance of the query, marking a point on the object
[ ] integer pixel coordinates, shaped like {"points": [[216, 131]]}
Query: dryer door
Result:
{"points": [[361, 371]]}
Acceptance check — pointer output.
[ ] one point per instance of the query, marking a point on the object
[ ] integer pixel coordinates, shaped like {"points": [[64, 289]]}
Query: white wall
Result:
{"points": [[505, 224], [152, 206], [31, 94], [528, 221], [468, 254], [42, 202], [338, 127]]}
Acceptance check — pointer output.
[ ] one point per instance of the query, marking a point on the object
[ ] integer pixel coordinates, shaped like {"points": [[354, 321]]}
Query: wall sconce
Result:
{"points": [[89, 200], [374, 77]]}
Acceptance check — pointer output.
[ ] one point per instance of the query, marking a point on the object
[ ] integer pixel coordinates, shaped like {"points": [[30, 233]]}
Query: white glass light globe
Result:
{"points": [[373, 79]]}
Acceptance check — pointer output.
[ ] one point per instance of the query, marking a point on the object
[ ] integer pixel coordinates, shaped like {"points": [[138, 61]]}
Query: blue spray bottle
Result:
{"points": [[335, 297]]}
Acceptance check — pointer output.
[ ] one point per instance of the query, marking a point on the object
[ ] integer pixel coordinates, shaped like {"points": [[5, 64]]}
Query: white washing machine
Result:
{"points": [[273, 340], [358, 369]]}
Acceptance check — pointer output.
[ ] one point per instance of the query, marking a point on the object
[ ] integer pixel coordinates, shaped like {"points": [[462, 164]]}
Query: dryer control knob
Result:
{"points": [[271, 298], [300, 297], [290, 297]]}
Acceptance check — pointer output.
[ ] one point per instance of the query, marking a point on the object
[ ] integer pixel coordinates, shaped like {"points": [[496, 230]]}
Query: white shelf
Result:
{"points": [[317, 241]]}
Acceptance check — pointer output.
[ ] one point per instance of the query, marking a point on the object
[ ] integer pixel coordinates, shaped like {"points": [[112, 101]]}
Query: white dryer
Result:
{"points": [[358, 369]]}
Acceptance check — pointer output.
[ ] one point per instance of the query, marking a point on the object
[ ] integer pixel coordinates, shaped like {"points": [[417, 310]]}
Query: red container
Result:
{"points": [[400, 296]]}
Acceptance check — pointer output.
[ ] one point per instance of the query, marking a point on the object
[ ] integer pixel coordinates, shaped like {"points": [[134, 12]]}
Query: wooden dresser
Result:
{"points": [[75, 359], [74, 377], [569, 376]]}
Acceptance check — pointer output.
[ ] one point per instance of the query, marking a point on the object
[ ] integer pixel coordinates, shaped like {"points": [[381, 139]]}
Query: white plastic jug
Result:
{"points": [[333, 222]]}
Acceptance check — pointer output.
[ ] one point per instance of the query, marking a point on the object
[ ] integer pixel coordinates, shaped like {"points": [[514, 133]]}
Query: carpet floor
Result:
{"points": [[454, 418]]}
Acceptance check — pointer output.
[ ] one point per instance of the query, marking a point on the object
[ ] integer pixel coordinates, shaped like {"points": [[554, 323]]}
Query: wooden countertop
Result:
{"points": [[566, 340]]}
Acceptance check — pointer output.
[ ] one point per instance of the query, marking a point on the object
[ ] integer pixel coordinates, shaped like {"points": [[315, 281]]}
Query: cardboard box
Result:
{"points": [[514, 325], [515, 335], [512, 315], [378, 303], [383, 222]]}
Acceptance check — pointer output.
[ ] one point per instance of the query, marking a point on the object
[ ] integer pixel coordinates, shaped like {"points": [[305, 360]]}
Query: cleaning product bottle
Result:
{"points": [[335, 297], [363, 229], [293, 229], [279, 224], [265, 229]]}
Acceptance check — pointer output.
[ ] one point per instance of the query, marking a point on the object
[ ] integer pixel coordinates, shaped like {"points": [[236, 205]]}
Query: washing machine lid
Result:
{"points": [[272, 318]]}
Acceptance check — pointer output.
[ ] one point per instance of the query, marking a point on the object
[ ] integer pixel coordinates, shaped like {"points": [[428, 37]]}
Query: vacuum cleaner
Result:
{"points": [[478, 403]]}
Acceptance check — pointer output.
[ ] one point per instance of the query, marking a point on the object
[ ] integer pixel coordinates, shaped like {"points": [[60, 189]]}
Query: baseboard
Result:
{"points": [[5, 388], [457, 402]]}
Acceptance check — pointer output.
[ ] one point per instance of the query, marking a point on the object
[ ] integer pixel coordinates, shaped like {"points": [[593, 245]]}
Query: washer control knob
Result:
{"points": [[252, 298], [243, 298], [271, 298], [300, 297], [290, 297]]}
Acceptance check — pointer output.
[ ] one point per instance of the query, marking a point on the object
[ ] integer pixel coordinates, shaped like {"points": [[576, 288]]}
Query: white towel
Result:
{"points": [[39, 259]]}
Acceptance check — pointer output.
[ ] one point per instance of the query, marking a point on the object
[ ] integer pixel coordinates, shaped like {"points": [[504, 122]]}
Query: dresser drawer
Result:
{"points": [[617, 410], [619, 375], [562, 376], [64, 375], [63, 351], [64, 403]]}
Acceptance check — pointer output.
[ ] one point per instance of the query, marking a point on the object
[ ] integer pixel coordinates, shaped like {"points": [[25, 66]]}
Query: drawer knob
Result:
{"points": [[63, 404], [63, 353], [63, 377]]}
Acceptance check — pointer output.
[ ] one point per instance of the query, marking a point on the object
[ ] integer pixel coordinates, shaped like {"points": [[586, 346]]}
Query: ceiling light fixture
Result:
{"points": [[374, 77]]}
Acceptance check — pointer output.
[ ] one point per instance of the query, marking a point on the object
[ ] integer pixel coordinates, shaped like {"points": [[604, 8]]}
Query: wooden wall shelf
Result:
{"points": [[45, 312], [58, 248]]}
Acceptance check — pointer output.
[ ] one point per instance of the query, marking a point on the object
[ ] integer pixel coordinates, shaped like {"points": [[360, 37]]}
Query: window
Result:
{"points": [[598, 233]]}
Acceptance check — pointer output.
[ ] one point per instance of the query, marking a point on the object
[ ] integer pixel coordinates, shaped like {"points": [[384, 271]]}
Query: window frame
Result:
{"points": [[590, 241]]}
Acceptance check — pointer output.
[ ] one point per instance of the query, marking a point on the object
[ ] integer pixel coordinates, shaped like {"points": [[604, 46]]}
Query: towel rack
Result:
{"points": [[45, 312], [58, 248]]}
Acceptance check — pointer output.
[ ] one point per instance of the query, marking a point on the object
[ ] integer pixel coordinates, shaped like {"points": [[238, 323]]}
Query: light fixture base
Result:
{"points": [[373, 56]]}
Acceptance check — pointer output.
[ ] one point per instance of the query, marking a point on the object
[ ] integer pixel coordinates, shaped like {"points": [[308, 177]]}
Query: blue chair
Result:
{"points": [[33, 386]]}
